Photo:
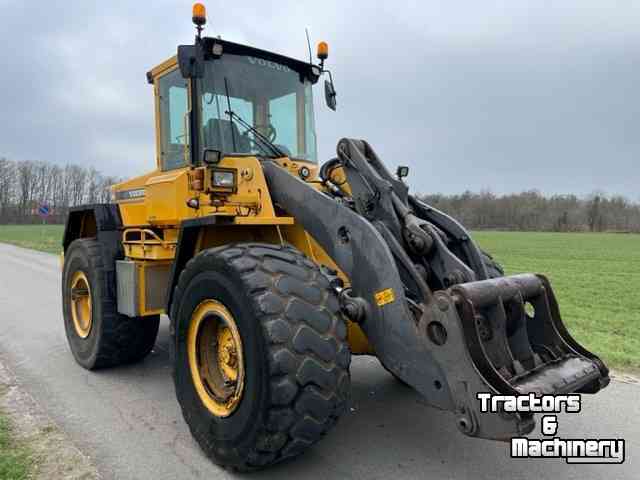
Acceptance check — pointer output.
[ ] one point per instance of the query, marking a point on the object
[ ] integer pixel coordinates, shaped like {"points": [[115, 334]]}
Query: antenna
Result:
{"points": [[306, 31]]}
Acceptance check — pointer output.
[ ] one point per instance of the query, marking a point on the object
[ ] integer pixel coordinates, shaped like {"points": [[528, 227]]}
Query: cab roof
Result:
{"points": [[304, 68]]}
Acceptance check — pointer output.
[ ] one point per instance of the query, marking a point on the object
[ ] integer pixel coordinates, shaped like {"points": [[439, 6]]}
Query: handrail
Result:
{"points": [[155, 238]]}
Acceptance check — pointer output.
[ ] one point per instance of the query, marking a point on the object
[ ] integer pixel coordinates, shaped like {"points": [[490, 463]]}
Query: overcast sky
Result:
{"points": [[505, 96]]}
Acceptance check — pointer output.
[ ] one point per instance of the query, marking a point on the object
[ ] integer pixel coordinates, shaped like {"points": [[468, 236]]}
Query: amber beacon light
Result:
{"points": [[323, 51], [199, 15]]}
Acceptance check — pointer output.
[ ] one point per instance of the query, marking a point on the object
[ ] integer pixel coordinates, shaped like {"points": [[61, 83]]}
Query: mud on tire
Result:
{"points": [[113, 339], [294, 346]]}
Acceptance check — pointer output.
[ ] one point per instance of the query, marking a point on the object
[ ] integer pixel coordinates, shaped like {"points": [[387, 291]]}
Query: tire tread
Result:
{"points": [[308, 358], [123, 340]]}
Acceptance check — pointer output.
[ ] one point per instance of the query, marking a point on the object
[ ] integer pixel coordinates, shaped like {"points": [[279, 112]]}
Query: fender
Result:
{"points": [[185, 250], [101, 220]]}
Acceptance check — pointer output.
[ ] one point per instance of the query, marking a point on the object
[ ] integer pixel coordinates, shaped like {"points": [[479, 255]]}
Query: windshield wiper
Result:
{"points": [[265, 142]]}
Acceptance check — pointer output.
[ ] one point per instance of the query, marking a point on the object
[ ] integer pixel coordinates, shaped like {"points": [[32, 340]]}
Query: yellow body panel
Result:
{"points": [[154, 205], [162, 68], [163, 195], [164, 201]]}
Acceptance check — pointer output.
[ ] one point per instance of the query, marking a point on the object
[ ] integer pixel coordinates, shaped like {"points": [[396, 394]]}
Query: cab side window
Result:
{"points": [[174, 104], [284, 118]]}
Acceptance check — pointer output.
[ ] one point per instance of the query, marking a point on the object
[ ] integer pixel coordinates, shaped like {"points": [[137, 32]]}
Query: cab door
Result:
{"points": [[169, 189]]}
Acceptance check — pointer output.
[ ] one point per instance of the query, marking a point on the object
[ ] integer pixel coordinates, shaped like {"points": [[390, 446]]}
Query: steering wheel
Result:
{"points": [[268, 131]]}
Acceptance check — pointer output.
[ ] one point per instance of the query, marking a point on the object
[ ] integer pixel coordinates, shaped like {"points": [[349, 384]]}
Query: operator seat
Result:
{"points": [[220, 135]]}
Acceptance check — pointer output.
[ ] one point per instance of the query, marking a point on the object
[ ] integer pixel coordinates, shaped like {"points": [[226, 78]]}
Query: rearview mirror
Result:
{"points": [[330, 95], [191, 61]]}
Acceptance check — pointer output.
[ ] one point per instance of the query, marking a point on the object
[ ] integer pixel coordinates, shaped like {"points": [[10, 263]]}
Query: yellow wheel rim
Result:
{"points": [[215, 355], [81, 304]]}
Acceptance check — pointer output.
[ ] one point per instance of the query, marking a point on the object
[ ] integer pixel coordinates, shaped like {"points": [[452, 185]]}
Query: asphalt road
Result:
{"points": [[128, 421]]}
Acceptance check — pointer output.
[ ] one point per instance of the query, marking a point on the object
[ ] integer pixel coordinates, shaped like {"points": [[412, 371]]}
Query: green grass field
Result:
{"points": [[596, 278], [47, 238], [15, 460]]}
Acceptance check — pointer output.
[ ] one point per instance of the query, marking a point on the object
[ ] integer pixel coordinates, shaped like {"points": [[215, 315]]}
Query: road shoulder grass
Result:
{"points": [[46, 238], [32, 446], [15, 457]]}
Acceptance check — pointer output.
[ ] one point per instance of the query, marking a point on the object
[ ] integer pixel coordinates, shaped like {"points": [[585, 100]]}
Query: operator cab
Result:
{"points": [[221, 108], [219, 98]]}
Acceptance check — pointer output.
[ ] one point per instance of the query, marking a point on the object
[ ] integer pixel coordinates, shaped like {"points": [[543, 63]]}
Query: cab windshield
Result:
{"points": [[270, 97]]}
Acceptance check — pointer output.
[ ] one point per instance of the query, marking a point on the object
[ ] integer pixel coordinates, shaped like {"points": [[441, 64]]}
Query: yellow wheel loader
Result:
{"points": [[273, 271]]}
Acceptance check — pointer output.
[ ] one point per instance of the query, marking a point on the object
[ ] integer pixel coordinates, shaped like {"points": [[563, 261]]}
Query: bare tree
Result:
{"points": [[25, 185], [533, 211], [27, 182], [7, 189]]}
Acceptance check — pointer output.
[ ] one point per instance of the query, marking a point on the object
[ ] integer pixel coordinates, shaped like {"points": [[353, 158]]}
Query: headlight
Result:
{"points": [[224, 180], [304, 173]]}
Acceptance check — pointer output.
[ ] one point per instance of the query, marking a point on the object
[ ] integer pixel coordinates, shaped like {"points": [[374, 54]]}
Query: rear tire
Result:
{"points": [[294, 354], [106, 338]]}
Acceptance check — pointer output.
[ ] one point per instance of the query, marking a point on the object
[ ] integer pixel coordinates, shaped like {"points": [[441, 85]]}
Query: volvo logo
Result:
{"points": [[133, 194], [269, 64]]}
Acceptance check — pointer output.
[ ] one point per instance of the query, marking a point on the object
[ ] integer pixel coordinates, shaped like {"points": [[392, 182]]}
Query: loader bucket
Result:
{"points": [[518, 341], [517, 344]]}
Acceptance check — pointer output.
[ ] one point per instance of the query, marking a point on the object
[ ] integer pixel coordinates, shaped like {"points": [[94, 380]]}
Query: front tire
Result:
{"points": [[98, 335], [290, 378]]}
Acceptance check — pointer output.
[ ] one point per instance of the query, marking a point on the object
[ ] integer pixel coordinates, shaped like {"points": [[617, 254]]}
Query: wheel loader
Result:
{"points": [[274, 270]]}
